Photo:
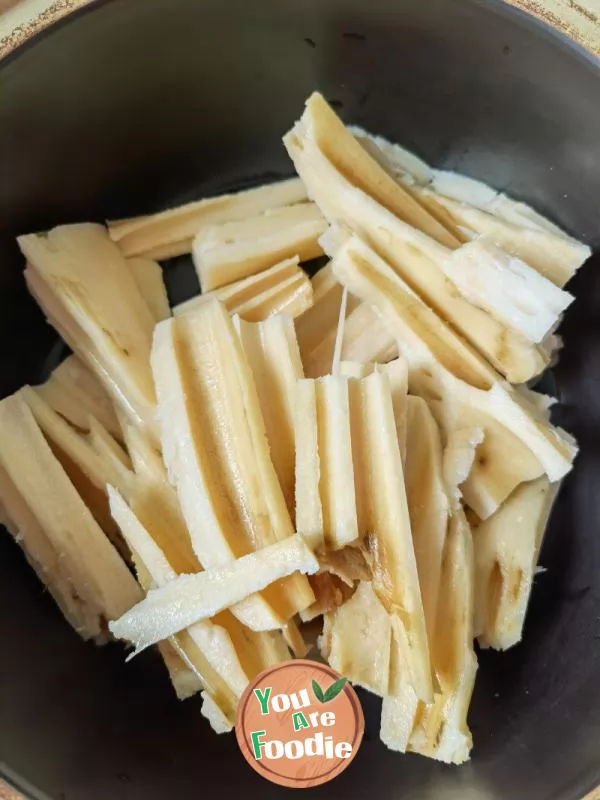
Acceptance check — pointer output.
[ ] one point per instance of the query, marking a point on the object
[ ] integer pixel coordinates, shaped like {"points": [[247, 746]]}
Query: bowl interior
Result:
{"points": [[133, 105]]}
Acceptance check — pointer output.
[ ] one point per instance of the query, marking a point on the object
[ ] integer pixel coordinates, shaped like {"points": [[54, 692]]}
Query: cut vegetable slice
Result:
{"points": [[358, 640], [366, 340], [234, 250], [217, 455], [325, 129], [321, 320], [86, 289], [89, 471], [94, 569], [395, 159], [348, 564], [282, 289], [272, 352], [325, 481], [458, 459], [427, 504], [461, 389], [554, 255], [148, 276], [507, 288], [478, 194], [188, 599], [395, 577], [414, 256], [185, 681], [75, 393], [170, 233], [206, 648], [507, 546]]}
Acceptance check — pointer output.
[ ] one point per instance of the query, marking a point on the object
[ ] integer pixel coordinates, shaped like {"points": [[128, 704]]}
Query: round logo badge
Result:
{"points": [[299, 724]]}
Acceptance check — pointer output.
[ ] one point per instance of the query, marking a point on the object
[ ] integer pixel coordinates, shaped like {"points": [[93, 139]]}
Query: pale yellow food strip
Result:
{"points": [[235, 250], [281, 289], [170, 233], [83, 284], [217, 455]]}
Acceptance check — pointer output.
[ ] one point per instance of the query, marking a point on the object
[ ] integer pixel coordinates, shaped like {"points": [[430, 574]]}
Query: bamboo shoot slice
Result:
{"points": [[148, 276], [96, 571], [170, 233], [83, 284], [414, 256], [272, 352], [358, 640], [507, 546], [337, 144], [217, 456], [233, 251], [188, 599], [75, 393]]}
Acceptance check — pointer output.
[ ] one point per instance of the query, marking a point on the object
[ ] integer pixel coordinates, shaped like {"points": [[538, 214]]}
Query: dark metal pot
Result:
{"points": [[133, 104]]}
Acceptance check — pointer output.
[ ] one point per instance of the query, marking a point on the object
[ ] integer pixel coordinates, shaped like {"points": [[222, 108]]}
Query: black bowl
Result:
{"points": [[131, 105]]}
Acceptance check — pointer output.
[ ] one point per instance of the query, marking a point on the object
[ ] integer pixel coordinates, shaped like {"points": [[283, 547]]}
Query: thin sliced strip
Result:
{"points": [[462, 391], [358, 640], [271, 349], [217, 455], [74, 392], [334, 140], [366, 340], [427, 504], [170, 233], [395, 575], [235, 250], [206, 646], [413, 255], [188, 599], [83, 284], [554, 255], [148, 276], [507, 288], [507, 547], [96, 571]]}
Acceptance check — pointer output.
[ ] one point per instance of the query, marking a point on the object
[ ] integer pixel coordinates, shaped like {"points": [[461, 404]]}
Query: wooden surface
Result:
{"points": [[20, 19]]}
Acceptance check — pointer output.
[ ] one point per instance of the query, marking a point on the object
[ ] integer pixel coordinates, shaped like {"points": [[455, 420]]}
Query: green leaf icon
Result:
{"points": [[334, 689], [318, 692]]}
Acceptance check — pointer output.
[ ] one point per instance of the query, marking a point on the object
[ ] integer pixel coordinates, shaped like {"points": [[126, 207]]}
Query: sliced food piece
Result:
{"points": [[321, 320], [185, 681], [348, 564], [324, 128], [217, 455], [458, 459], [519, 443], [391, 549], [325, 481], [366, 340], [414, 256], [358, 640], [507, 546], [399, 162], [170, 233], [83, 284], [507, 288], [551, 252], [427, 503], [75, 393], [441, 730], [188, 599], [42, 493], [88, 469], [271, 349], [148, 275], [204, 647], [282, 289], [234, 250], [478, 194]]}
